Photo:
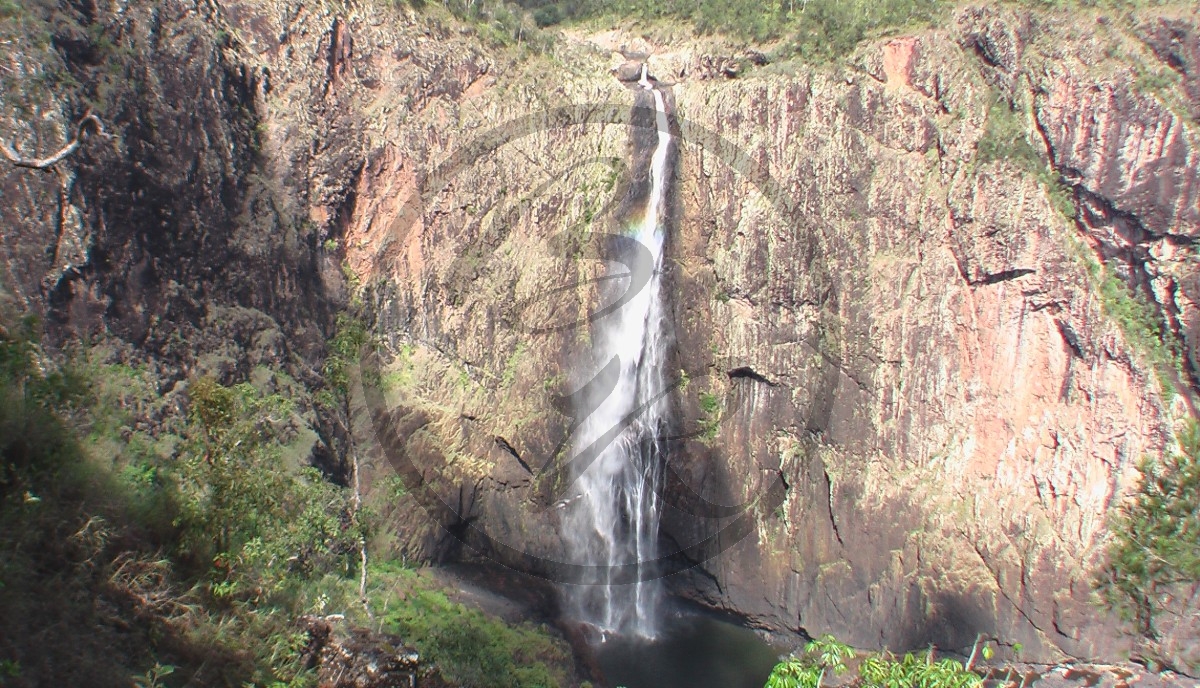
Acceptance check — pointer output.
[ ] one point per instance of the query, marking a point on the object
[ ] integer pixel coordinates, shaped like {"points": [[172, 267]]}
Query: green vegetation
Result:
{"points": [[510, 366], [208, 549], [183, 554], [262, 529], [1006, 137], [910, 671], [826, 655], [710, 407], [498, 23], [344, 351], [471, 649], [817, 30], [1139, 322], [9, 9], [812, 30], [1137, 318], [1156, 543]]}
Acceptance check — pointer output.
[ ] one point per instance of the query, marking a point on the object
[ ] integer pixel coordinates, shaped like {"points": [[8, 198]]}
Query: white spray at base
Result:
{"points": [[612, 526]]}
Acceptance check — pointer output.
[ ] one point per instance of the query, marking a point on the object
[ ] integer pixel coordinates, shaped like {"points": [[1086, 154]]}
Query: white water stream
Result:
{"points": [[612, 526]]}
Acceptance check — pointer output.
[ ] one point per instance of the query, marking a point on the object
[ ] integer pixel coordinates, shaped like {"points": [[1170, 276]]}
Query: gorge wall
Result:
{"points": [[872, 270]]}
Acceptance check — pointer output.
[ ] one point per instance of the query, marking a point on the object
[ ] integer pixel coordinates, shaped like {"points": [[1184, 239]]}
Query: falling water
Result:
{"points": [[612, 525]]}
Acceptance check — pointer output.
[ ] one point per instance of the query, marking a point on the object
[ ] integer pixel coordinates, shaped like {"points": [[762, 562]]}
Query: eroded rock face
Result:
{"points": [[905, 333], [950, 408]]}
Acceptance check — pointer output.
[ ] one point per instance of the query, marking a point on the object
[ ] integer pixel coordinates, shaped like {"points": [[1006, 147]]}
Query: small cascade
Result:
{"points": [[612, 527]]}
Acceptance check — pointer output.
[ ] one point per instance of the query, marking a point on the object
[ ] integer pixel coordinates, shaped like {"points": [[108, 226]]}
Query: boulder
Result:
{"points": [[349, 657]]}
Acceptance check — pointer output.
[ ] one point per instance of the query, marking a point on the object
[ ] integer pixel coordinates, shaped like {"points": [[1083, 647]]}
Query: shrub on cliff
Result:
{"points": [[1156, 544]]}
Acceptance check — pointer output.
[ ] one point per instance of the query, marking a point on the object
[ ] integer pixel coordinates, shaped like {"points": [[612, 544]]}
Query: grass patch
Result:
{"points": [[1006, 137], [510, 366], [468, 647], [1141, 326], [710, 421]]}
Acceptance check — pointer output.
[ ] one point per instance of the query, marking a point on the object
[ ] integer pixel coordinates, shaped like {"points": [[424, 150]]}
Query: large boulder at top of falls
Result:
{"points": [[628, 71]]}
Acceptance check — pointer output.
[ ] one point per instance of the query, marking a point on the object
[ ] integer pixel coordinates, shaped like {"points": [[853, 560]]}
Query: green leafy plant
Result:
{"points": [[794, 673], [1156, 543], [344, 352], [883, 670], [153, 678], [821, 655], [830, 653]]}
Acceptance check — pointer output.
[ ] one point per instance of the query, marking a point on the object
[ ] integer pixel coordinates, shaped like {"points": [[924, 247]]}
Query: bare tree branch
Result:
{"points": [[46, 163]]}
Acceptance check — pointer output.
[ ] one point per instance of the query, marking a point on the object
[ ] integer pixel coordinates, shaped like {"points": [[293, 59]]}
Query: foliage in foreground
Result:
{"points": [[179, 551], [1156, 543], [826, 655]]}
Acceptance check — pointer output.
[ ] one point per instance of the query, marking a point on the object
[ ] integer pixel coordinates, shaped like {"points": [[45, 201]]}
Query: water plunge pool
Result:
{"points": [[694, 650]]}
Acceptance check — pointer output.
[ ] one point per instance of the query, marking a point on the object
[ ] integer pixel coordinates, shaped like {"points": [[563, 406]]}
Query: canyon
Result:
{"points": [[905, 411]]}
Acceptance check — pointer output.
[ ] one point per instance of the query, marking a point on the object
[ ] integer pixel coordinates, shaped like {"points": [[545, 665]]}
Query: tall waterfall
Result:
{"points": [[612, 525]]}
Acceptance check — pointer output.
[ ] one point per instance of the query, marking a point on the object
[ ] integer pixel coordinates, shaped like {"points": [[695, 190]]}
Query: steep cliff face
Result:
{"points": [[877, 296], [935, 378], [165, 242], [874, 275]]}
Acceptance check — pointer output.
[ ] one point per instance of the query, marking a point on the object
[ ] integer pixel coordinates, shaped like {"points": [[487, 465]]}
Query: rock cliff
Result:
{"points": [[887, 273]]}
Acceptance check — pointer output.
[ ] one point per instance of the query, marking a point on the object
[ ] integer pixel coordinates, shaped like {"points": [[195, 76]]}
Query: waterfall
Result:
{"points": [[612, 525]]}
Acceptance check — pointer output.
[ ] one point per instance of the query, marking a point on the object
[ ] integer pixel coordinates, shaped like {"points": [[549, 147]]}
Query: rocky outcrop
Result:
{"points": [[166, 242], [357, 658]]}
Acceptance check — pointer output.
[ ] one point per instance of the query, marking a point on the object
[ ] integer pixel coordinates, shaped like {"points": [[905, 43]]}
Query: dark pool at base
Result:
{"points": [[693, 651]]}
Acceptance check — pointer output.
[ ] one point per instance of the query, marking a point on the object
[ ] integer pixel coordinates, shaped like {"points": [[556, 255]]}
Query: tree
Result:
{"points": [[1157, 535]]}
